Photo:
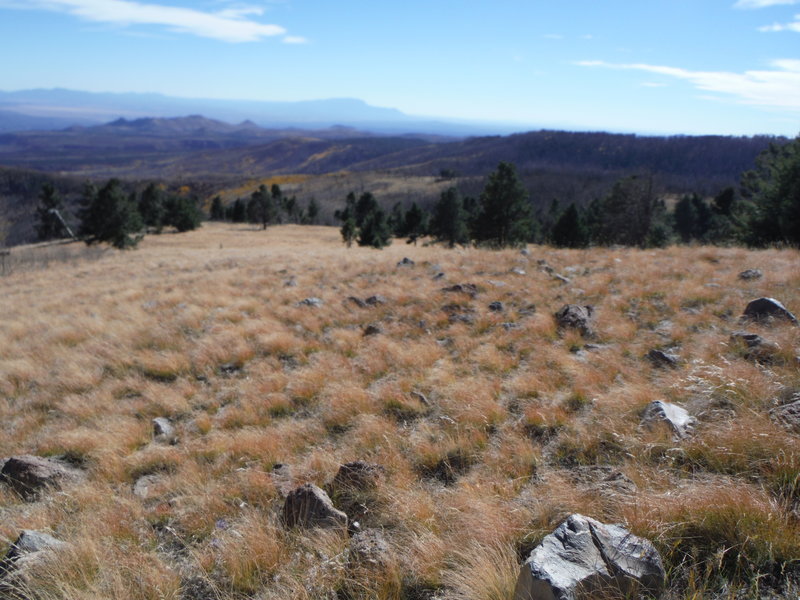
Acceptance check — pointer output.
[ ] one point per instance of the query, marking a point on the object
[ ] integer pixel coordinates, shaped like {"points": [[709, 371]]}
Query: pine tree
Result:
{"points": [[374, 230], [416, 223], [151, 207], [262, 207], [450, 219], [569, 231], [217, 212], [312, 212], [182, 213], [504, 216], [49, 225], [109, 215]]}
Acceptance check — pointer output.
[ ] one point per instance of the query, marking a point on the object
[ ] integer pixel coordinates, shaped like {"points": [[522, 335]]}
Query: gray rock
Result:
{"points": [[309, 506], [497, 307], [584, 559], [164, 431], [679, 420], [372, 329], [357, 301], [787, 415], [573, 316], [368, 550], [312, 301], [767, 309], [375, 300], [518, 271], [661, 359], [30, 548], [29, 475], [406, 262], [463, 288], [751, 274], [755, 347], [561, 278]]}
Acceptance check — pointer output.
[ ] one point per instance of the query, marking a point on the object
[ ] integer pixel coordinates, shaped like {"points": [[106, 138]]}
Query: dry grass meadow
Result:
{"points": [[491, 427]]}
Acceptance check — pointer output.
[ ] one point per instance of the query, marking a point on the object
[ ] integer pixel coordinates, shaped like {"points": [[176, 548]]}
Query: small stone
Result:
{"points": [[751, 274], [372, 329], [518, 271], [497, 307], [357, 301], [679, 420], [561, 278], [406, 262], [309, 506], [312, 301], [375, 300], [573, 316], [756, 348], [463, 288], [164, 431], [661, 359], [788, 415]]}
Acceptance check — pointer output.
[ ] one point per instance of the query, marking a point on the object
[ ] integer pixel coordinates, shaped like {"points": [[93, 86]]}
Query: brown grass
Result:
{"points": [[487, 435]]}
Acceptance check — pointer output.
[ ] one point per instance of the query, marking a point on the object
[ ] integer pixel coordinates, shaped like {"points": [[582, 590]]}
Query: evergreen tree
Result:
{"points": [[364, 207], [182, 213], [416, 223], [49, 225], [312, 212], [685, 219], [236, 212], [217, 209], [773, 189], [349, 231], [375, 231], [626, 214], [262, 208], [450, 219], [569, 231], [151, 207], [397, 220], [109, 215], [504, 216]]}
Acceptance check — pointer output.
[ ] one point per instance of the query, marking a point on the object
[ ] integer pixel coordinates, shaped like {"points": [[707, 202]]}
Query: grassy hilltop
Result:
{"points": [[490, 426]]}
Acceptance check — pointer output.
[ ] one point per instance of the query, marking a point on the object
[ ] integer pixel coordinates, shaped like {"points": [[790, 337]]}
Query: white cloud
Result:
{"points": [[763, 3], [230, 25], [294, 39], [793, 26], [776, 88]]}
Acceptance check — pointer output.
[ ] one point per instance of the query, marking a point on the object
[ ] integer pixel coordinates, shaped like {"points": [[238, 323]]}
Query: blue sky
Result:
{"points": [[648, 66]]}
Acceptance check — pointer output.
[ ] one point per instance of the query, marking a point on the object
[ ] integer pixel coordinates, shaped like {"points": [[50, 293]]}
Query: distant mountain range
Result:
{"points": [[60, 108]]}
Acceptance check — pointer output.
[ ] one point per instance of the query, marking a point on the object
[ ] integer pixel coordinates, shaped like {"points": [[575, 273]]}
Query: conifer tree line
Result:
{"points": [[764, 211], [264, 207]]}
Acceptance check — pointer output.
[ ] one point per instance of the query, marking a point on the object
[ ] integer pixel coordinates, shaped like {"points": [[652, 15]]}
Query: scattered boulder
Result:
{"points": [[497, 307], [30, 548], [767, 309], [463, 288], [751, 274], [311, 301], [661, 359], [584, 558], [309, 506], [375, 300], [368, 550], [678, 418], [573, 316], [357, 301], [518, 271], [755, 347], [29, 475], [788, 415], [372, 329], [406, 262], [164, 432], [357, 475], [561, 278], [438, 276], [458, 313]]}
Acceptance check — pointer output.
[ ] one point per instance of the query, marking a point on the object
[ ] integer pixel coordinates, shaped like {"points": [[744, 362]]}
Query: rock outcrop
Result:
{"points": [[585, 559]]}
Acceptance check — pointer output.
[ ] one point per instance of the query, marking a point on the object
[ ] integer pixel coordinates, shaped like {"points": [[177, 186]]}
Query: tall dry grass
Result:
{"points": [[489, 429]]}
